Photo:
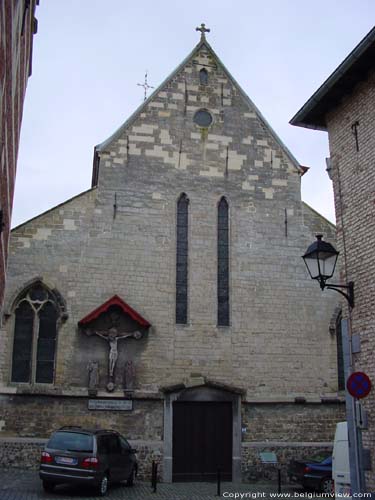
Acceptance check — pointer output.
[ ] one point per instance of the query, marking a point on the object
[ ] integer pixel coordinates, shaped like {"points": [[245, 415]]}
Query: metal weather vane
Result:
{"points": [[145, 85]]}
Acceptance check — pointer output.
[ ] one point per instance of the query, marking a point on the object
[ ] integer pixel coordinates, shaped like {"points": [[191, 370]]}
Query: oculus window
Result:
{"points": [[203, 118]]}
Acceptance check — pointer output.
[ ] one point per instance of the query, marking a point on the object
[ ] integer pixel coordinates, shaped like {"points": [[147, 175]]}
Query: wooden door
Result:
{"points": [[202, 441]]}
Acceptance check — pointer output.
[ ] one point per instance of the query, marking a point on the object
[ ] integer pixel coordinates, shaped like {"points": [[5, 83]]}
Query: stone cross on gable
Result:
{"points": [[203, 31]]}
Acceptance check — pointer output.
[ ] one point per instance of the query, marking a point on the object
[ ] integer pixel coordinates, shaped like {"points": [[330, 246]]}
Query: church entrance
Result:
{"points": [[202, 440]]}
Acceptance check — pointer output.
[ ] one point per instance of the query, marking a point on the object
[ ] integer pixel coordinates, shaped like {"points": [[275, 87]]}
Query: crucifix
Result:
{"points": [[145, 85], [112, 336], [203, 31]]}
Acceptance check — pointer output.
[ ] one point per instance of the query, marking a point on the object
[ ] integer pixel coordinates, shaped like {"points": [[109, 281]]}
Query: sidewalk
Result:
{"points": [[17, 484]]}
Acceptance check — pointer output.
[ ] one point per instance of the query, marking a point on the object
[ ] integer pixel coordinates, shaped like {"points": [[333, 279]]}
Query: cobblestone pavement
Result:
{"points": [[17, 484]]}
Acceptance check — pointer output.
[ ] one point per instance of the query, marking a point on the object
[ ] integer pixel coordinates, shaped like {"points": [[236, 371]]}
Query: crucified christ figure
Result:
{"points": [[112, 336]]}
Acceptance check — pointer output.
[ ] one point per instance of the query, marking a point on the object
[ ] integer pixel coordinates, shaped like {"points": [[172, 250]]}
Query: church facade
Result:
{"points": [[170, 300]]}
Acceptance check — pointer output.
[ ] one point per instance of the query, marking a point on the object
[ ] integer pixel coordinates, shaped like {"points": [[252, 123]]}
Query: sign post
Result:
{"points": [[358, 386]]}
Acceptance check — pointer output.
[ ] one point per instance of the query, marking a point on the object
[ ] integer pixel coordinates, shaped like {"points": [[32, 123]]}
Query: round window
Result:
{"points": [[203, 118]]}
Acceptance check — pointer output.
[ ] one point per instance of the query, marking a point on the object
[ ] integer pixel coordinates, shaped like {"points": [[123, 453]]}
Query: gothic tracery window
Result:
{"points": [[223, 263], [182, 259], [35, 335]]}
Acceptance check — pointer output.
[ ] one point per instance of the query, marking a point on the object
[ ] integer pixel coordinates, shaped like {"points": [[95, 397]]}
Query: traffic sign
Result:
{"points": [[358, 385]]}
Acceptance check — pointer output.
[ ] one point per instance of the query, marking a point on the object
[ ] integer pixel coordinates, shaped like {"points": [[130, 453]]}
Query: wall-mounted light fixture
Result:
{"points": [[320, 259]]}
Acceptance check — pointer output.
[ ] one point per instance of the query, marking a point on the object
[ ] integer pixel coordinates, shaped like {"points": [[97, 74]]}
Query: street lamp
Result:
{"points": [[320, 259]]}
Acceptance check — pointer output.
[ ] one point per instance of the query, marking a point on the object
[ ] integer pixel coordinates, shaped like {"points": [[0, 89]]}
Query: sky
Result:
{"points": [[89, 56]]}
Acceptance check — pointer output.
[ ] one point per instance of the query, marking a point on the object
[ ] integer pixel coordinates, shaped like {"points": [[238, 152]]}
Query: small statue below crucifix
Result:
{"points": [[203, 31], [112, 336], [145, 85]]}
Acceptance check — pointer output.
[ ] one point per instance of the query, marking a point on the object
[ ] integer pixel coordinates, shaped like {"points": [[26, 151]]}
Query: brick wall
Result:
{"points": [[354, 188], [17, 27]]}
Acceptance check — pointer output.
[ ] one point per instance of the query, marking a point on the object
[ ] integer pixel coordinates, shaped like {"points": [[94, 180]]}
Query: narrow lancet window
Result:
{"points": [[182, 259], [203, 77], [223, 264]]}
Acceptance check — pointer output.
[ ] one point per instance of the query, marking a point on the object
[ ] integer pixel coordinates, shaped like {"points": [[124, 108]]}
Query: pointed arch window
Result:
{"points": [[223, 263], [35, 334], [203, 77], [182, 259]]}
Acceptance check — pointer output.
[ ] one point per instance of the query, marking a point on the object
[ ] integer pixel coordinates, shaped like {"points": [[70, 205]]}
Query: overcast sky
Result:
{"points": [[89, 56]]}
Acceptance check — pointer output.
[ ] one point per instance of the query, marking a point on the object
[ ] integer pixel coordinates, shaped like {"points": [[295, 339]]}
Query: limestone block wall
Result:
{"points": [[144, 422], [354, 186], [120, 238]]}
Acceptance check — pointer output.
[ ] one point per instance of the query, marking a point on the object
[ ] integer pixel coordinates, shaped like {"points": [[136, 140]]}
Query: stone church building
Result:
{"points": [[170, 300]]}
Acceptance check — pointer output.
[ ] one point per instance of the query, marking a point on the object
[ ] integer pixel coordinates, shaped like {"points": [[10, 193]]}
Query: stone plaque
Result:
{"points": [[111, 404]]}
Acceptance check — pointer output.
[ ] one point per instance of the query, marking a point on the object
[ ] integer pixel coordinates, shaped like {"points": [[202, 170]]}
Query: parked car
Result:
{"points": [[74, 455], [314, 473]]}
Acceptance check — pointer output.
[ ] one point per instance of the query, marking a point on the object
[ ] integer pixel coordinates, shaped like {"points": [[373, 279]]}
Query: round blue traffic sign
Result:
{"points": [[358, 385]]}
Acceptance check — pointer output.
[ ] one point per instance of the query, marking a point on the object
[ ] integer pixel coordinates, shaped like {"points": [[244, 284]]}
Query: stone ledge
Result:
{"points": [[23, 440], [287, 444]]}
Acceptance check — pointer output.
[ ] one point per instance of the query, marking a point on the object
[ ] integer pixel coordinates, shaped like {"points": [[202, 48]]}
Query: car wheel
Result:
{"points": [[103, 486], [131, 479], [48, 486], [327, 486]]}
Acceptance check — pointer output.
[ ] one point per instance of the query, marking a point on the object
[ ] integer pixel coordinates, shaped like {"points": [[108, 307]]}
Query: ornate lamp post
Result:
{"points": [[320, 259]]}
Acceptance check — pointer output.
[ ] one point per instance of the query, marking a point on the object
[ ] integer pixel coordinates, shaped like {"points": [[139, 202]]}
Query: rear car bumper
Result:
{"points": [[60, 475]]}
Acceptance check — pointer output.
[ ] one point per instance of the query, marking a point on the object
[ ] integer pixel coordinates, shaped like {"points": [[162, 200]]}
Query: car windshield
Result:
{"points": [[71, 441], [322, 458]]}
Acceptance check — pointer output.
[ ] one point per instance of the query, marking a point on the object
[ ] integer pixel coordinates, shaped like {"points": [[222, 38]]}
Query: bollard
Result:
{"points": [[218, 482], [154, 476], [279, 478]]}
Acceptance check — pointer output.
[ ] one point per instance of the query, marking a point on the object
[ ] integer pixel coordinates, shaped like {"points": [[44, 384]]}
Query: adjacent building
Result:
{"points": [[17, 28], [170, 300], [344, 106]]}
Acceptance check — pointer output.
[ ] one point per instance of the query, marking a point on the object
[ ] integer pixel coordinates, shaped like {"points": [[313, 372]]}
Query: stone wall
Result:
{"points": [[278, 341], [119, 238], [291, 422], [354, 186], [293, 431], [145, 421], [24, 453], [254, 470]]}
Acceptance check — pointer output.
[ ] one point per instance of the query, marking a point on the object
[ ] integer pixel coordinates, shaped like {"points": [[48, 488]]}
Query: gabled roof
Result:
{"points": [[341, 82], [203, 43], [114, 301]]}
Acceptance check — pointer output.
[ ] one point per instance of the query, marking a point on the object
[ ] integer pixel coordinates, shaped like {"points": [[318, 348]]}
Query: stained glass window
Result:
{"points": [[223, 264], [182, 259], [35, 332]]}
